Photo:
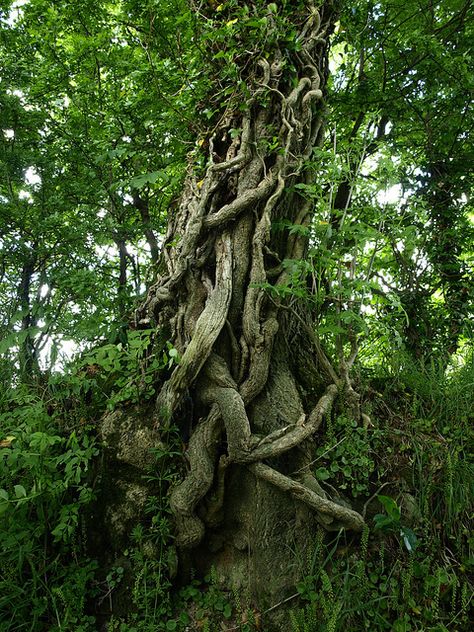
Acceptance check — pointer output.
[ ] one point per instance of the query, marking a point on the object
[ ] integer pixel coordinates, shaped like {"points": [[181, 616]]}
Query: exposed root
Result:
{"points": [[247, 200], [228, 405], [208, 327], [275, 444]]}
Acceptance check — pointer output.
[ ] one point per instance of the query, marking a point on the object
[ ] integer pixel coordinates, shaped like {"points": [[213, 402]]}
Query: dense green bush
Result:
{"points": [[45, 482]]}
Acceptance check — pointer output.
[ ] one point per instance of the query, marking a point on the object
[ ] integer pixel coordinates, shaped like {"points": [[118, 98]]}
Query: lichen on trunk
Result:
{"points": [[250, 497]]}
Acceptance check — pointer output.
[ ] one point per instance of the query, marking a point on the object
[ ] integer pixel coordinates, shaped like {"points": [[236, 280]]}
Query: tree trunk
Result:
{"points": [[28, 353], [142, 206], [445, 250], [259, 382]]}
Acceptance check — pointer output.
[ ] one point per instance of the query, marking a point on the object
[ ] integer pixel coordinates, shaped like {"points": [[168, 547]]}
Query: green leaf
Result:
{"points": [[383, 522], [59, 531], [138, 182], [20, 491], [235, 132], [322, 473], [390, 506], [184, 617], [409, 538], [8, 342]]}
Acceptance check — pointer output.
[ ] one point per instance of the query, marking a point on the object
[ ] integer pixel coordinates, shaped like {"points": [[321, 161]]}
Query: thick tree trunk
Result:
{"points": [[259, 381]]}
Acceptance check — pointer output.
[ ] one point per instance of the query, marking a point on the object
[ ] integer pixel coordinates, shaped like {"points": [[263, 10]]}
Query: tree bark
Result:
{"points": [[142, 206], [28, 352], [260, 384]]}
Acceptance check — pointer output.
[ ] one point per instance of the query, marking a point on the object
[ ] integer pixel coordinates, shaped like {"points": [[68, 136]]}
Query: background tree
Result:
{"points": [[404, 72]]}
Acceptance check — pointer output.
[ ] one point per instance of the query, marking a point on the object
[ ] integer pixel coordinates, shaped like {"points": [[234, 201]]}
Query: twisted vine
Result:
{"points": [[212, 296]]}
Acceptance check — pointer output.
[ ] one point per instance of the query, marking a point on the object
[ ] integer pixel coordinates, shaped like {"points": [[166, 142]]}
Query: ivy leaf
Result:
{"points": [[322, 473]]}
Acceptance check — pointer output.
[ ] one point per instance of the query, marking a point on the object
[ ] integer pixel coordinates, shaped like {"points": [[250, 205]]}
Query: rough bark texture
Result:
{"points": [[260, 382]]}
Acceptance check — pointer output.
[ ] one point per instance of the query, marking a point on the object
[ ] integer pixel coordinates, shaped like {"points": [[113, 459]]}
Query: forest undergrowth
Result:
{"points": [[409, 471]]}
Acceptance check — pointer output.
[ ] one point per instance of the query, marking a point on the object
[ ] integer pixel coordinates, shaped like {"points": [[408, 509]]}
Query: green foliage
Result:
{"points": [[399, 578], [128, 373], [348, 457], [392, 522], [379, 590], [89, 164], [45, 482], [151, 557]]}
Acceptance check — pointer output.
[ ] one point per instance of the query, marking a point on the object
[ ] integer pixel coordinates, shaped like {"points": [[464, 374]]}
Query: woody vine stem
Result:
{"points": [[220, 252]]}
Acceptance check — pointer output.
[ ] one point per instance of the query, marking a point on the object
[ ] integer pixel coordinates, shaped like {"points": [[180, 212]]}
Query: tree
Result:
{"points": [[407, 74], [80, 175], [210, 143], [257, 378]]}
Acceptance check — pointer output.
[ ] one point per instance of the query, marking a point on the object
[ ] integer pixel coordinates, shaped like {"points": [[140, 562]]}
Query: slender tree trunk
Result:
{"points": [[122, 278], [142, 207], [445, 251], [27, 356], [259, 381]]}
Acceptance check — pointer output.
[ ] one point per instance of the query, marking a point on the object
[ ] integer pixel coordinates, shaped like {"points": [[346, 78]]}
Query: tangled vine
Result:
{"points": [[219, 254]]}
